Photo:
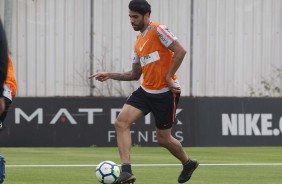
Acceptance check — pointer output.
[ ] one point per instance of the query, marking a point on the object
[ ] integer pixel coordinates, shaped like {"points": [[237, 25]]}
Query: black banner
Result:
{"points": [[79, 122], [239, 122], [86, 121]]}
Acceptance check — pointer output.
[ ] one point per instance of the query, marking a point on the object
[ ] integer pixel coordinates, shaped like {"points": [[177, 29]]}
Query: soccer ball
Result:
{"points": [[107, 172]]}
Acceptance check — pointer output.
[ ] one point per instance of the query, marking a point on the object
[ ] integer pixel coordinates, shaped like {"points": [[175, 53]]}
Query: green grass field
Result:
{"points": [[251, 165]]}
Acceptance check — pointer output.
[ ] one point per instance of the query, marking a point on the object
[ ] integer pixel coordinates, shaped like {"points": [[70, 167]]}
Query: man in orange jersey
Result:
{"points": [[3, 74], [157, 55], [10, 88], [3, 64]]}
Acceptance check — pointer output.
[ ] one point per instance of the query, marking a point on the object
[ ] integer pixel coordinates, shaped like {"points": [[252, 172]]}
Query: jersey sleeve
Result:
{"points": [[134, 57], [166, 37]]}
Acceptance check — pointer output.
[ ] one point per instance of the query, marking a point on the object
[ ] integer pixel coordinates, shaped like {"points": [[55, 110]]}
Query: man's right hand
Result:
{"points": [[102, 76], [172, 86]]}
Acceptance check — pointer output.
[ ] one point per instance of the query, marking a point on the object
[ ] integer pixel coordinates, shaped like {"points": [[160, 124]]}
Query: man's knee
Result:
{"points": [[121, 125], [164, 141], [118, 124]]}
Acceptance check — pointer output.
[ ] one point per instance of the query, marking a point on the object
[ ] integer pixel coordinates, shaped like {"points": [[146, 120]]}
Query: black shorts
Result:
{"points": [[163, 106]]}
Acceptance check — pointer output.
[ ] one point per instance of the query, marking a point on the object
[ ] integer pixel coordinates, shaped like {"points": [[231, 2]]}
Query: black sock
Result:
{"points": [[187, 164], [126, 167]]}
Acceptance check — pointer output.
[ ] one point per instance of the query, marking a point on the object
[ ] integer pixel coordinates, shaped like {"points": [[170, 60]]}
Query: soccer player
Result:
{"points": [[10, 88], [3, 64], [3, 74], [157, 55]]}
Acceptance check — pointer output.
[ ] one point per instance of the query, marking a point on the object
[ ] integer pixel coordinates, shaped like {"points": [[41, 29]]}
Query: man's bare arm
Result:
{"points": [[179, 53], [134, 74]]}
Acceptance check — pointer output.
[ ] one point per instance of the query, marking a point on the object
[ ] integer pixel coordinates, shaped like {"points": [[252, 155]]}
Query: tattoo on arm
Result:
{"points": [[134, 74], [121, 76]]}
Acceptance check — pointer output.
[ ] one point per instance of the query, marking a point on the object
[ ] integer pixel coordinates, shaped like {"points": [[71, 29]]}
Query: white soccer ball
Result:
{"points": [[107, 172]]}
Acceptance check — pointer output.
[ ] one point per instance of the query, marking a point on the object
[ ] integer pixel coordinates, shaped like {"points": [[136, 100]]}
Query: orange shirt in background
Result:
{"points": [[10, 81]]}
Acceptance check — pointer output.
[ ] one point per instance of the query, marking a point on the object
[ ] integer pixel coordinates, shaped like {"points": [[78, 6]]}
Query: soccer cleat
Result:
{"points": [[125, 178], [187, 171]]}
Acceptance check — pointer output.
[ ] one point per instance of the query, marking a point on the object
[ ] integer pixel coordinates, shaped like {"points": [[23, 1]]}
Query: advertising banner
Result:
{"points": [[80, 122], [89, 121], [239, 122]]}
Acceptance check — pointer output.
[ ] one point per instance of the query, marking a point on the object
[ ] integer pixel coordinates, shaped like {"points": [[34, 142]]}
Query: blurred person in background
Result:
{"points": [[10, 88], [3, 74], [3, 64]]}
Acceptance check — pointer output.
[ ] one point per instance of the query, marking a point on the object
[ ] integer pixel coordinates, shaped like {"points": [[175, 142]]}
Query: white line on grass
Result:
{"points": [[153, 165]]}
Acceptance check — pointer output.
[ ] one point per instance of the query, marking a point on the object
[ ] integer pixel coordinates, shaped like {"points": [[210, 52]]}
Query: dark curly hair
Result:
{"points": [[140, 6]]}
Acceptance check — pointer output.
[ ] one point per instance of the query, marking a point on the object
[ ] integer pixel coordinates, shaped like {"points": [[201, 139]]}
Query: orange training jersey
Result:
{"points": [[154, 56], [10, 83]]}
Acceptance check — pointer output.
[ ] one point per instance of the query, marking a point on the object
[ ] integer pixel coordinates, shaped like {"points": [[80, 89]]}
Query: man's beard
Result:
{"points": [[139, 27]]}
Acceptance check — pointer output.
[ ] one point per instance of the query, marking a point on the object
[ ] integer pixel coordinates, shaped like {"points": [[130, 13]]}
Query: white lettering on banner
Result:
{"points": [[179, 136], [63, 112], [241, 124], [252, 125], [38, 116], [229, 124], [144, 136], [90, 113], [111, 135], [266, 124], [154, 138], [148, 119], [20, 113], [249, 125], [114, 113], [177, 112]]}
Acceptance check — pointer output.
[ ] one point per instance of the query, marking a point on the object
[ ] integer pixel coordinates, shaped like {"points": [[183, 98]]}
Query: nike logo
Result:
{"points": [[142, 46]]}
